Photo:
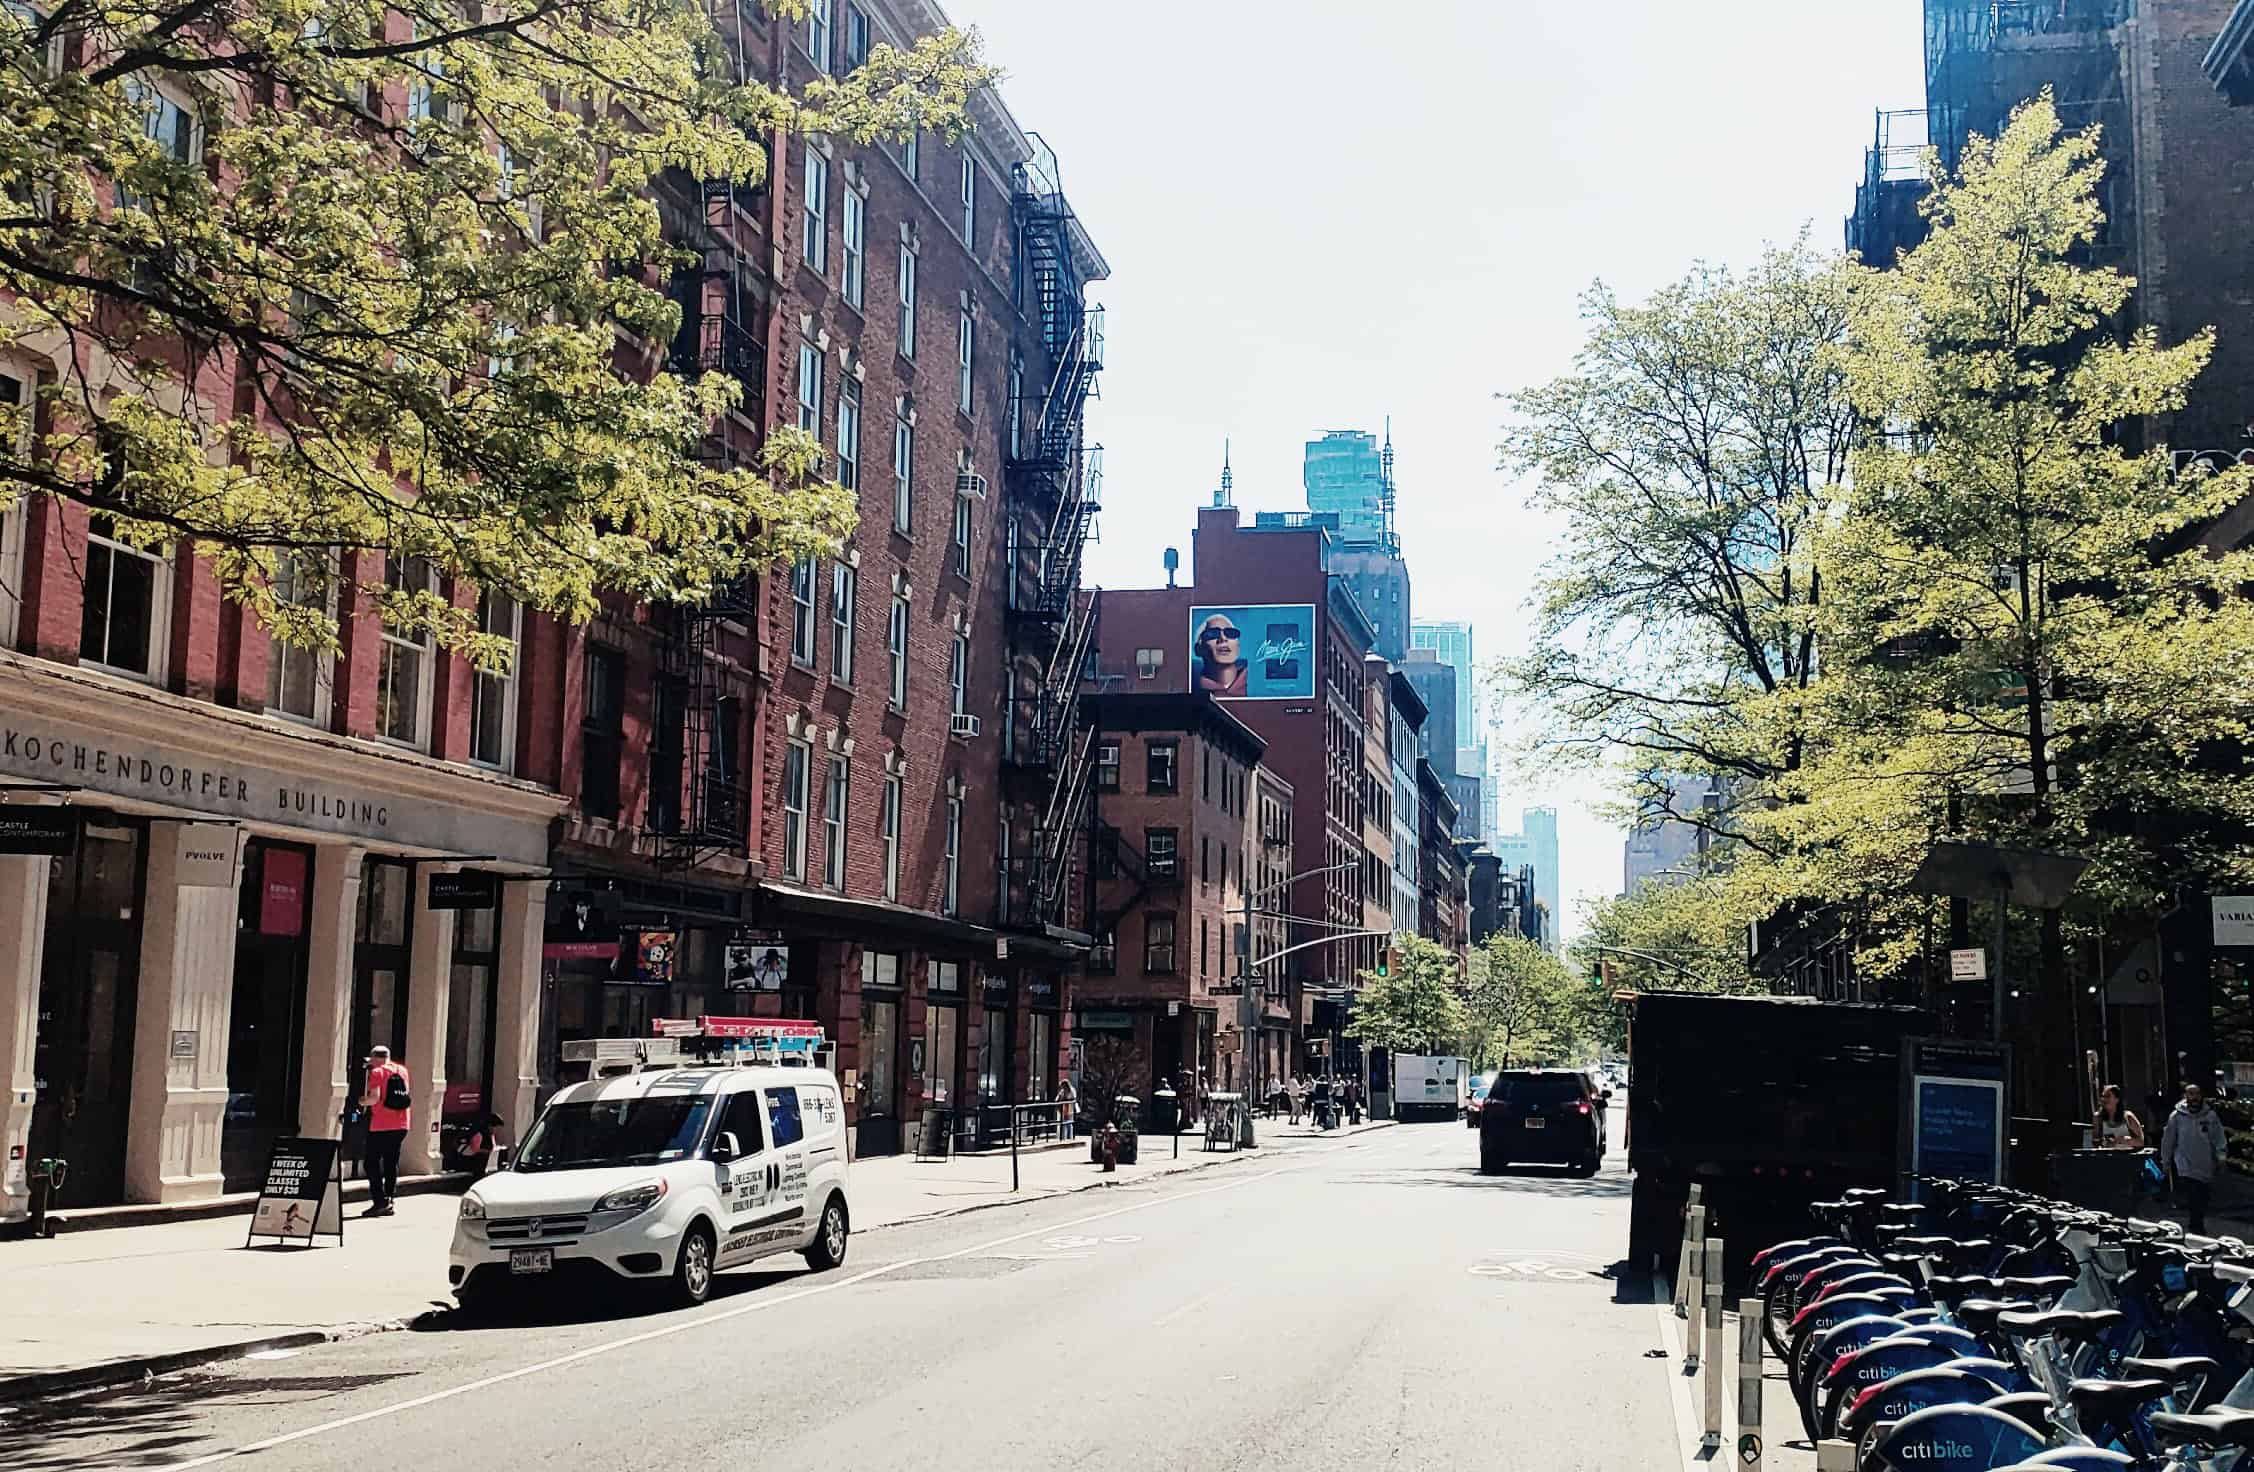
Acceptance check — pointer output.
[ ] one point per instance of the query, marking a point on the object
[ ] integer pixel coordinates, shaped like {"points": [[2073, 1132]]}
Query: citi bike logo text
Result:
{"points": [[1936, 1451]]}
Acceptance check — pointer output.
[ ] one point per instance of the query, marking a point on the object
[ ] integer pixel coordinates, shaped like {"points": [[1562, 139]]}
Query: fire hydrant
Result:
{"points": [[1111, 1147]]}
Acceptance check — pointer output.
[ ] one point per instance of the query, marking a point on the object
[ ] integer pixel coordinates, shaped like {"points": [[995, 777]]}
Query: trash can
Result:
{"points": [[1165, 1112]]}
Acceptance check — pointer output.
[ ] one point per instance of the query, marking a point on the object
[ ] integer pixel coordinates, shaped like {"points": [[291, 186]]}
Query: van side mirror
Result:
{"points": [[724, 1146]]}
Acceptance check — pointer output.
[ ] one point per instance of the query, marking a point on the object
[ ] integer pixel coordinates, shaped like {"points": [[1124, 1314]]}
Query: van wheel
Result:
{"points": [[828, 1248], [692, 1270]]}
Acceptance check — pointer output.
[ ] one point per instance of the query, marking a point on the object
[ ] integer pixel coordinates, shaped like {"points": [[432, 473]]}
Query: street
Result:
{"points": [[1358, 1302]]}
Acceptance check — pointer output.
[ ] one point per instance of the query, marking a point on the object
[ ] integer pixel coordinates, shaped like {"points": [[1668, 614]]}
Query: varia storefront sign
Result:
{"points": [[70, 755]]}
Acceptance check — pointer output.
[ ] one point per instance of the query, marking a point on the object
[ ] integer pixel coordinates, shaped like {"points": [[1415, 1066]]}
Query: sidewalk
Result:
{"points": [[97, 1307]]}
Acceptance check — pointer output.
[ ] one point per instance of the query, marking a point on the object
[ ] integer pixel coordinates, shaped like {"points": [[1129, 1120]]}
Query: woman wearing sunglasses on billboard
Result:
{"points": [[1220, 656]]}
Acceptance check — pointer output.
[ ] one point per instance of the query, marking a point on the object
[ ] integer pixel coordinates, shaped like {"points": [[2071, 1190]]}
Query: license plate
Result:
{"points": [[532, 1260], [1537, 1123]]}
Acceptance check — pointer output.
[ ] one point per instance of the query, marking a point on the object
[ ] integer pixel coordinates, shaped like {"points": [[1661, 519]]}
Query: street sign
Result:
{"points": [[2234, 919], [38, 830], [1969, 965], [466, 889]]}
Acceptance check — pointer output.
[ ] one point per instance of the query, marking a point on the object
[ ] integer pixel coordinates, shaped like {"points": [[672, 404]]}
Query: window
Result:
{"points": [[845, 593], [1017, 400], [970, 199], [1148, 662], [856, 243], [514, 177], [1161, 853], [889, 827], [962, 533], [403, 670], [802, 611], [1103, 952], [493, 715], [951, 884], [425, 103], [896, 646], [911, 155], [798, 757], [741, 1119], [816, 245], [1205, 858], [1107, 766], [1158, 945], [298, 676], [15, 424], [818, 13], [1161, 756], [903, 476], [785, 1125], [810, 388], [849, 434], [958, 675], [1205, 788], [1204, 944], [602, 733], [121, 624], [907, 344], [668, 749], [856, 35], [962, 360], [835, 798], [166, 123]]}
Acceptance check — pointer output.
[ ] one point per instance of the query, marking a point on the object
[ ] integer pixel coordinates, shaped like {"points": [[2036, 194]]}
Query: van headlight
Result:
{"points": [[473, 1210], [635, 1198]]}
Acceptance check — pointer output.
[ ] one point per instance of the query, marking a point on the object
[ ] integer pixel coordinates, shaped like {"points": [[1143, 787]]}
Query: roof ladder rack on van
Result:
{"points": [[622, 1055]]}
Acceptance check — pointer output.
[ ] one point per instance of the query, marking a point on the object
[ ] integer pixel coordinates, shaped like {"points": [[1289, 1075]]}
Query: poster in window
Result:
{"points": [[654, 951], [1262, 651], [755, 962]]}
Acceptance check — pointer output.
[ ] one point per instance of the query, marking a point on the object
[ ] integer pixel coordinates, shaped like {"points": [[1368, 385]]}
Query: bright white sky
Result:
{"points": [[1319, 213]]}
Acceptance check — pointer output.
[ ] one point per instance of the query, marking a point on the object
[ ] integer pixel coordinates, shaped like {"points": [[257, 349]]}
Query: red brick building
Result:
{"points": [[1297, 678], [1174, 859], [217, 854]]}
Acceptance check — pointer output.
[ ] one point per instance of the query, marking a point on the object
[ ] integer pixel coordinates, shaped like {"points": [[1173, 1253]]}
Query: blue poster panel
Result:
{"points": [[1957, 1129]]}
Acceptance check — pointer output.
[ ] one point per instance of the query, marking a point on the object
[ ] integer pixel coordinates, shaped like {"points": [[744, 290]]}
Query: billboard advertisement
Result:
{"points": [[1260, 651]]}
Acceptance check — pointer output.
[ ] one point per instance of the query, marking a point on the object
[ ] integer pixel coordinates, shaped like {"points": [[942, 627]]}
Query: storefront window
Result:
{"points": [[379, 961], [880, 1053], [267, 1016], [994, 1056], [1041, 1057], [83, 1051], [942, 1040], [470, 988]]}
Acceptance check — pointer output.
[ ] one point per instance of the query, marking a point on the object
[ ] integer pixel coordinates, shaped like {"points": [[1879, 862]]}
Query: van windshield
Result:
{"points": [[600, 1132]]}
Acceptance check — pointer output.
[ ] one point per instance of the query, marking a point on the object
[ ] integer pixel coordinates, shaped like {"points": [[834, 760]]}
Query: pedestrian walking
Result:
{"points": [[390, 1101], [1068, 1099], [2192, 1147], [2116, 1126]]}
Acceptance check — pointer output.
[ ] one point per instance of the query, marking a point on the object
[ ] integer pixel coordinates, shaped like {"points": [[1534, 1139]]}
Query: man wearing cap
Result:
{"points": [[389, 1099]]}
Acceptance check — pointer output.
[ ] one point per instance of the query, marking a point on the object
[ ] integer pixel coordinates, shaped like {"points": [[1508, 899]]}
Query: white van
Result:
{"points": [[665, 1175]]}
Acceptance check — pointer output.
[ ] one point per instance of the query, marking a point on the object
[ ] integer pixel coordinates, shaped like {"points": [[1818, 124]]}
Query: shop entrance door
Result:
{"points": [[267, 1019], [83, 1054], [379, 990]]}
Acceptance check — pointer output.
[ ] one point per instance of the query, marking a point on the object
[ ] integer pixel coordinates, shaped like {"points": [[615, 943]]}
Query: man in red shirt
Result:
{"points": [[389, 1099]]}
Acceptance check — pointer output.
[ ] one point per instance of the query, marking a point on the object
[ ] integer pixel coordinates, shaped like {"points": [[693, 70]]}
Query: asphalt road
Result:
{"points": [[1360, 1303]]}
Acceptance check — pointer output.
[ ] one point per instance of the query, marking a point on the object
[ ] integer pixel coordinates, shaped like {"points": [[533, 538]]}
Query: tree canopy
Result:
{"points": [[1417, 1006], [321, 276]]}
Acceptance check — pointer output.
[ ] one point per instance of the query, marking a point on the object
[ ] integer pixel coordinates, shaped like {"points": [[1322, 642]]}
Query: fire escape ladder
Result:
{"points": [[696, 806]]}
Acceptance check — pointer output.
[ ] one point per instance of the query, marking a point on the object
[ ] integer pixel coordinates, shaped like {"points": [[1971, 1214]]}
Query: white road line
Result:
{"points": [[1191, 1307], [1690, 1422], [765, 1301]]}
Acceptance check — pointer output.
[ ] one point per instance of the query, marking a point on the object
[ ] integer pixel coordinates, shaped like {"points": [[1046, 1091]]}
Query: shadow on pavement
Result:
{"points": [[584, 1305], [1524, 1180], [149, 1425]]}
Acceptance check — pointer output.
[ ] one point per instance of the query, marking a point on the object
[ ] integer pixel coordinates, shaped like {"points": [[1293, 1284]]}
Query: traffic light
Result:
{"points": [[1385, 963]]}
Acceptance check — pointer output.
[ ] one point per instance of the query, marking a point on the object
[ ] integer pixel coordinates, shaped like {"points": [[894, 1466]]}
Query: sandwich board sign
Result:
{"points": [[302, 1194]]}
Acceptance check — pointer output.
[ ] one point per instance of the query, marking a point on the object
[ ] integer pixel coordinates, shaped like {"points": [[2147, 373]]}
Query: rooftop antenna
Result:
{"points": [[1385, 483], [1227, 494]]}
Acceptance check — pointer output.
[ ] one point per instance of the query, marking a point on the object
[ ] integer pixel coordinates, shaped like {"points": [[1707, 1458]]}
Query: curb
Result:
{"points": [[110, 1374]]}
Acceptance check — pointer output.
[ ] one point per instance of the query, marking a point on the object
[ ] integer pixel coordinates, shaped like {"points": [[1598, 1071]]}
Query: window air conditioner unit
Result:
{"points": [[970, 483], [962, 725]]}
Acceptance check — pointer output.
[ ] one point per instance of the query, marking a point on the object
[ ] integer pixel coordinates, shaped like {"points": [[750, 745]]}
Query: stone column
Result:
{"points": [[516, 1006], [430, 971], [23, 938], [325, 1081], [185, 1002]]}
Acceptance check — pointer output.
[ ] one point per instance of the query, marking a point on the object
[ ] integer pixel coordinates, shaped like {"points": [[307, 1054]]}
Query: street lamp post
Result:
{"points": [[1249, 967]]}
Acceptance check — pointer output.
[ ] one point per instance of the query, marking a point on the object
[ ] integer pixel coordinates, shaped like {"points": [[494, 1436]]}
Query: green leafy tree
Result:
{"points": [[428, 241], [1417, 1007], [1524, 1006]]}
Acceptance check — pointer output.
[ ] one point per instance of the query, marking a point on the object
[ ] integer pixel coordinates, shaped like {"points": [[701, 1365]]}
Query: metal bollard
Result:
{"points": [[1716, 1364], [1693, 1280], [1685, 1267], [1750, 1447]]}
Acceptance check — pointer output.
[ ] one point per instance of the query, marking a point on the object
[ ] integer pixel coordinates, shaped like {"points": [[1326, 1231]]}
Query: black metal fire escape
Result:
{"points": [[1053, 482]]}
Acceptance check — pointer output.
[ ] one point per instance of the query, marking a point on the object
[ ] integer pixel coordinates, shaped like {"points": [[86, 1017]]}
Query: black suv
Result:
{"points": [[1542, 1116]]}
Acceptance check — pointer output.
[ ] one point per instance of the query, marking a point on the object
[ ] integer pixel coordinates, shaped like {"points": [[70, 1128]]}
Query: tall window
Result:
{"points": [[802, 611], [493, 718], [817, 209], [1161, 852], [962, 533], [1017, 400], [896, 646], [890, 820], [911, 155], [1107, 766], [849, 434], [818, 15], [958, 674], [122, 620], [845, 592], [903, 476], [970, 198], [951, 890], [907, 300], [297, 675], [798, 757], [810, 388], [856, 243], [835, 800], [962, 360], [174, 129], [1158, 945], [1163, 762], [403, 667], [856, 35], [602, 733], [15, 425]]}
